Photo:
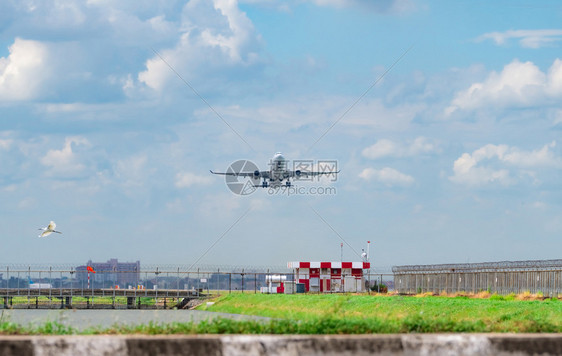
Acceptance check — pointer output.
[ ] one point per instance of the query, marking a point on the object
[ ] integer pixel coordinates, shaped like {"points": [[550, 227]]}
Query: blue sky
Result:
{"points": [[453, 156]]}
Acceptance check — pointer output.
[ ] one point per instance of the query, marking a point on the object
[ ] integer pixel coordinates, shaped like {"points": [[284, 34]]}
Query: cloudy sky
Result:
{"points": [[445, 119]]}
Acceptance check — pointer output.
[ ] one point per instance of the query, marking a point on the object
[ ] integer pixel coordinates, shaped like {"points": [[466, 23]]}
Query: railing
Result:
{"points": [[36, 288]]}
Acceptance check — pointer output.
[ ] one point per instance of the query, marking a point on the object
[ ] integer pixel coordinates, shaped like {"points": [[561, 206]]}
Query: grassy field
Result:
{"points": [[388, 314], [351, 314]]}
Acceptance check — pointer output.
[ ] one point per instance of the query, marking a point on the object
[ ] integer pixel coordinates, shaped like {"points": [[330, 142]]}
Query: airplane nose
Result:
{"points": [[278, 157]]}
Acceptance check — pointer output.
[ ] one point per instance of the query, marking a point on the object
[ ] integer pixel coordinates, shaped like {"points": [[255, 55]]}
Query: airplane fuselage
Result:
{"points": [[278, 170]]}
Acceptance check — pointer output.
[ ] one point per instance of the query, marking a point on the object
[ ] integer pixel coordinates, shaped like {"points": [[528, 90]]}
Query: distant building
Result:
{"points": [[111, 272], [330, 276]]}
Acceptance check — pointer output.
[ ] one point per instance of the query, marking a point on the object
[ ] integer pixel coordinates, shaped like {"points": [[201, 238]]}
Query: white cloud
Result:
{"points": [[466, 171], [23, 71], [260, 204], [378, 6], [375, 114], [527, 38], [380, 149], [382, 6], [217, 34], [212, 206], [132, 171], [186, 180], [27, 203], [388, 176], [543, 157], [64, 161], [5, 144], [557, 117], [54, 14], [385, 147], [468, 168], [518, 84], [554, 78]]}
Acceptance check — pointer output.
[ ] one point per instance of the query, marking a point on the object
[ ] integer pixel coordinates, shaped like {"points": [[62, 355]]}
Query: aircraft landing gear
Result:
{"points": [[288, 184], [264, 184]]}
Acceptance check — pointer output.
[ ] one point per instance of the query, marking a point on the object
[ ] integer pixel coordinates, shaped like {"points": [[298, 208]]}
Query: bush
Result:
{"points": [[381, 288]]}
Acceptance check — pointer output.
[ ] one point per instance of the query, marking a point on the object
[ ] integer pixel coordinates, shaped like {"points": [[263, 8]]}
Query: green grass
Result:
{"points": [[48, 328], [348, 314], [107, 300], [400, 313]]}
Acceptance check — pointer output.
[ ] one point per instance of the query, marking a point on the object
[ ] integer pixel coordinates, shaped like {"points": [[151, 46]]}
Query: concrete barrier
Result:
{"points": [[284, 345]]}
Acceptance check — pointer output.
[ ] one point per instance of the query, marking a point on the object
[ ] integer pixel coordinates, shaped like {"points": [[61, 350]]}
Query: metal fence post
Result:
{"points": [[156, 298], [50, 286], [28, 284], [71, 284]]}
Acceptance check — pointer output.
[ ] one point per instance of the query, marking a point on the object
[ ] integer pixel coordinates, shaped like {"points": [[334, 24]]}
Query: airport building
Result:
{"points": [[111, 272], [330, 277]]}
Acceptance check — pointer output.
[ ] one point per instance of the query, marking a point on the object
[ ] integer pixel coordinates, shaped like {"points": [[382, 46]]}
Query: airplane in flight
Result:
{"points": [[275, 176]]}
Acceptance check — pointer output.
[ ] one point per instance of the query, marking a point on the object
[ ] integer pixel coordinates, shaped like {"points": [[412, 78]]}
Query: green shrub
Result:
{"points": [[496, 296], [379, 287]]}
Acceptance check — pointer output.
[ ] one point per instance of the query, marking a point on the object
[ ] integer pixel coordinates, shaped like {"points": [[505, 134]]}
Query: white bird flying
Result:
{"points": [[49, 229]]}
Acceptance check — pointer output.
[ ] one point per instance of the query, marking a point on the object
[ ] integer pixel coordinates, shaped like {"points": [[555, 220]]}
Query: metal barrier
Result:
{"points": [[51, 288], [495, 277]]}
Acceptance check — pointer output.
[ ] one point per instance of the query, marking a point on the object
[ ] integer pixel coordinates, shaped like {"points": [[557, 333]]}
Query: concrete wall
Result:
{"points": [[264, 345]]}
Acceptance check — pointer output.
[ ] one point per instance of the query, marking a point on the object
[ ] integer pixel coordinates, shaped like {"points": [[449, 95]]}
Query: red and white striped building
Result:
{"points": [[330, 276]]}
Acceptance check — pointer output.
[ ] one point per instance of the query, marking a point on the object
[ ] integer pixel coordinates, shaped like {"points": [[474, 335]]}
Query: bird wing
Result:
{"points": [[45, 233], [52, 225]]}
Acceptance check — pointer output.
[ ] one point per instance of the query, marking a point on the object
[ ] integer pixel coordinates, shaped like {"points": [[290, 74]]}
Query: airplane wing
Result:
{"points": [[307, 174], [255, 175]]}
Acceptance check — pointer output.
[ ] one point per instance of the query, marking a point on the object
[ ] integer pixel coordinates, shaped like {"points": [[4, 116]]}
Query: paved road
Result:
{"points": [[83, 319]]}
